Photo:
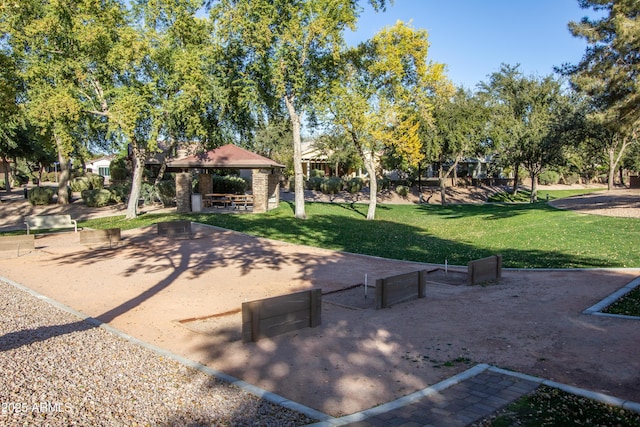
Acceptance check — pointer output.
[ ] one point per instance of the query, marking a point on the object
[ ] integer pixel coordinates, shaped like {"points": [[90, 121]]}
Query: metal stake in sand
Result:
{"points": [[365, 285]]}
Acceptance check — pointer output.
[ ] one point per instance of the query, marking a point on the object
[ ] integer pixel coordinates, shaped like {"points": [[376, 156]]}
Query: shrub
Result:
{"points": [[95, 181], [149, 193], [120, 192], [571, 179], [50, 176], [80, 184], [315, 183], [97, 198], [402, 190], [354, 185], [20, 180], [384, 183], [167, 192], [331, 185], [316, 173], [229, 184], [40, 196], [549, 178], [118, 173]]}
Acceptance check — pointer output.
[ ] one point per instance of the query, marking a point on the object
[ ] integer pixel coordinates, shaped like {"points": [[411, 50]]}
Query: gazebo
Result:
{"points": [[264, 175]]}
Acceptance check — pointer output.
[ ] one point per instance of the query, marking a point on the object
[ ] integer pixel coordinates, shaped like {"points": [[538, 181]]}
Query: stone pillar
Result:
{"points": [[273, 190], [205, 183], [260, 184], [183, 192]]}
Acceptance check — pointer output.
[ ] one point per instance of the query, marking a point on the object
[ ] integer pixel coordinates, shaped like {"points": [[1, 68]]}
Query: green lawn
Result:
{"points": [[552, 407], [527, 235]]}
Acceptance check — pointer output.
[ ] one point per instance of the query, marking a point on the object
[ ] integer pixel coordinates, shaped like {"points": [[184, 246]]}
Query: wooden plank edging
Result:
{"points": [[269, 317]]}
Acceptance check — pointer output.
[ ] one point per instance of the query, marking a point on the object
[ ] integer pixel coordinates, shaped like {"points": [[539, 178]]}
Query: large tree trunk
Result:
{"points": [[7, 175], [443, 186], [612, 169], [370, 166], [63, 182], [516, 177], [443, 180], [136, 186], [298, 174], [615, 153], [369, 160], [534, 187]]}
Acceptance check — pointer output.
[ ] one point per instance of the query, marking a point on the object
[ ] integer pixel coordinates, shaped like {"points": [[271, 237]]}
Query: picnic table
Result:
{"points": [[225, 200]]}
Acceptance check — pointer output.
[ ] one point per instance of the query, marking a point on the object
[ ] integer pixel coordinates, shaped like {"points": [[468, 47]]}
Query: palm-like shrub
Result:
{"points": [[354, 185], [402, 190], [97, 198], [40, 196], [331, 185]]}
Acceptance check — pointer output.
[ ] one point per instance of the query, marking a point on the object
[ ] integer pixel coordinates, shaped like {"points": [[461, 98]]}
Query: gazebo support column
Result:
{"points": [[205, 182], [183, 192], [266, 190]]}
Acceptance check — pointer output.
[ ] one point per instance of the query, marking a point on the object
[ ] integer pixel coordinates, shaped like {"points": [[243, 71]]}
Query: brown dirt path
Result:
{"points": [[356, 359], [532, 322]]}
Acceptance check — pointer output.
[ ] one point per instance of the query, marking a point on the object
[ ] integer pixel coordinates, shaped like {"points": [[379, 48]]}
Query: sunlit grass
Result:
{"points": [[628, 305], [523, 196], [527, 235], [553, 407]]}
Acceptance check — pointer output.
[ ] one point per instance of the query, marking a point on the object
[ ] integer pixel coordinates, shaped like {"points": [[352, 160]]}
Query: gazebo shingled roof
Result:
{"points": [[227, 156]]}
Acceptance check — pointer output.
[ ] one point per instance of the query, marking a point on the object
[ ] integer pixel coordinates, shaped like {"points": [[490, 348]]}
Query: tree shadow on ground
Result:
{"points": [[380, 344], [396, 240]]}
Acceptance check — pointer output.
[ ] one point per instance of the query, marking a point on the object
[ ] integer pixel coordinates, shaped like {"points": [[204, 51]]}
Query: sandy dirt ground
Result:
{"points": [[156, 288]]}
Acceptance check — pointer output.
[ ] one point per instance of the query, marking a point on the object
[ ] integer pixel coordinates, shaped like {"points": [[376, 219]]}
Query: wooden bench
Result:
{"points": [[224, 200], [238, 200], [50, 222], [17, 243]]}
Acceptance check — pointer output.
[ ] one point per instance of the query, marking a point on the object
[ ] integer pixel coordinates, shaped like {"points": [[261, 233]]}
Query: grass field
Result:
{"points": [[527, 235]]}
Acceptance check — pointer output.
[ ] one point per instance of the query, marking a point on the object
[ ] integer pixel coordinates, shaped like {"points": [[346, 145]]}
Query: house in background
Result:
{"points": [[101, 166]]}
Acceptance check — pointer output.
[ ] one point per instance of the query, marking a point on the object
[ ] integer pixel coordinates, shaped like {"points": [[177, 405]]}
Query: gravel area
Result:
{"points": [[58, 370]]}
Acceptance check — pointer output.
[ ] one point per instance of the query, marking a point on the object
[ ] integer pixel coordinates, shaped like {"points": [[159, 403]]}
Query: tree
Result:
{"points": [[384, 96], [459, 131], [506, 125], [43, 39], [609, 72], [523, 125], [11, 116], [286, 50]]}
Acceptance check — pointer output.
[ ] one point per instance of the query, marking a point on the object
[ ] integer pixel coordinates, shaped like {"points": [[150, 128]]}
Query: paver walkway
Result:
{"points": [[462, 400], [459, 405], [455, 402]]}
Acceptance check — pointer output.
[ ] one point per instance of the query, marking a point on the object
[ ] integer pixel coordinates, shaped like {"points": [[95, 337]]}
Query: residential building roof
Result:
{"points": [[227, 156]]}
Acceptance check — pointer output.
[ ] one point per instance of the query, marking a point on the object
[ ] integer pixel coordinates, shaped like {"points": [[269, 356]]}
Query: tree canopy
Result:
{"points": [[609, 72], [384, 96]]}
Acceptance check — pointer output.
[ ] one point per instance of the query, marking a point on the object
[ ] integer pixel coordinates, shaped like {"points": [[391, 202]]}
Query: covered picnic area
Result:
{"points": [[265, 180]]}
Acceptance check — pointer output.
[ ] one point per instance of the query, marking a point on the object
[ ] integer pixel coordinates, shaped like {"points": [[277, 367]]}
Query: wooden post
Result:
{"points": [[315, 317], [422, 284], [380, 294]]}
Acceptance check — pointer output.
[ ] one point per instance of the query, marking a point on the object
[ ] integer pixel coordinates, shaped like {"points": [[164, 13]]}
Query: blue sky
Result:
{"points": [[473, 37]]}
